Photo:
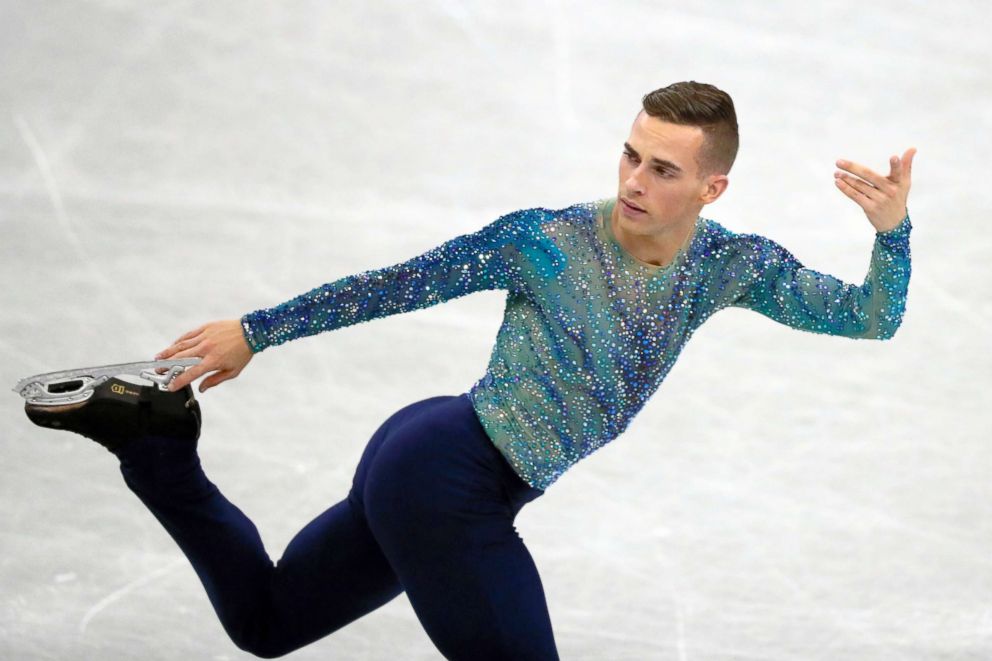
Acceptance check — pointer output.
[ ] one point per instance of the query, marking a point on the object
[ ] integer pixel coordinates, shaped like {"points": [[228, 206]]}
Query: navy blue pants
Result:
{"points": [[430, 512]]}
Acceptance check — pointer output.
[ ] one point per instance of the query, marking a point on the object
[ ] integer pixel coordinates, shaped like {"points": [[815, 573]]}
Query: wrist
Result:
{"points": [[253, 333]]}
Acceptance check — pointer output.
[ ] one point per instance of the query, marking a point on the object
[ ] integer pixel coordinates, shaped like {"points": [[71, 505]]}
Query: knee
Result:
{"points": [[259, 637], [262, 646]]}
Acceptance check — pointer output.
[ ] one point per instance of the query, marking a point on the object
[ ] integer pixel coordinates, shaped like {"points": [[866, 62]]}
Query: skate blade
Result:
{"points": [[76, 385]]}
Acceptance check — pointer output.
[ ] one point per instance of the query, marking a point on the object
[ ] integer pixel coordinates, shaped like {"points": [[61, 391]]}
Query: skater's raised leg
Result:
{"points": [[332, 573]]}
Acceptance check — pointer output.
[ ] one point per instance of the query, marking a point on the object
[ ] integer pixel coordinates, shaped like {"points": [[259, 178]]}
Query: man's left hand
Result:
{"points": [[882, 198]]}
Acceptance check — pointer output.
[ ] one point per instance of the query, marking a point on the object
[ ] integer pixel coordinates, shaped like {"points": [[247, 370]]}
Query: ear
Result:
{"points": [[715, 185]]}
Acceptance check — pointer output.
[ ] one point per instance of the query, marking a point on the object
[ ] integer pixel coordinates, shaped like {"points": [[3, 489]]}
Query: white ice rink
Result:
{"points": [[784, 495]]}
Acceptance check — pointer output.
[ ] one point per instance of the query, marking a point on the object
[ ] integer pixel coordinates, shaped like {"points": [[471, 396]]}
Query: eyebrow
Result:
{"points": [[655, 160]]}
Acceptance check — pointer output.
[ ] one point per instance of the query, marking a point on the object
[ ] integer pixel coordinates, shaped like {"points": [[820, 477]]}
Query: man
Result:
{"points": [[601, 298]]}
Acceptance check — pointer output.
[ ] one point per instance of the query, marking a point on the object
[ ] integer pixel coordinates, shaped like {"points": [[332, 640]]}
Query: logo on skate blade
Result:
{"points": [[118, 389]]}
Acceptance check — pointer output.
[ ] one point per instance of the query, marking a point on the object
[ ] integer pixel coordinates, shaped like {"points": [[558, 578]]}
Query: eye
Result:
{"points": [[630, 156]]}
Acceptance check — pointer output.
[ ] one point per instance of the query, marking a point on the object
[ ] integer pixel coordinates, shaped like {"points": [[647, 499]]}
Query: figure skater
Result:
{"points": [[601, 298]]}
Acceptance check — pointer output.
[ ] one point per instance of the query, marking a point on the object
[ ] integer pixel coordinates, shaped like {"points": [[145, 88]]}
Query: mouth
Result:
{"points": [[630, 207]]}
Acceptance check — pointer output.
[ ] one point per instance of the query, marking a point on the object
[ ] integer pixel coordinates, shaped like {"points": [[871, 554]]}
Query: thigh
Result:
{"points": [[440, 502]]}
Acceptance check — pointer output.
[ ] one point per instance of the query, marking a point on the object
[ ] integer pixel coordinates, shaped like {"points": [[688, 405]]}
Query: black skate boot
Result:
{"points": [[120, 411]]}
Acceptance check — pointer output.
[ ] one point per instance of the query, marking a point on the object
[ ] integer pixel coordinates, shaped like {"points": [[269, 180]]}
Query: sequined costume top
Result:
{"points": [[589, 331]]}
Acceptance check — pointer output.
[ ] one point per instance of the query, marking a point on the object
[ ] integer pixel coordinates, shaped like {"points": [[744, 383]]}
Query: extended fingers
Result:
{"points": [[872, 177], [899, 169]]}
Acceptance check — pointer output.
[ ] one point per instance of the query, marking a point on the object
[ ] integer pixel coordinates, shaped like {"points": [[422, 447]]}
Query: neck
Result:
{"points": [[658, 248]]}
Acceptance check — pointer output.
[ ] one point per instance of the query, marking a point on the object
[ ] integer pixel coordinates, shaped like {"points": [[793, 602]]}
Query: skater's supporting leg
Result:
{"points": [[441, 500]]}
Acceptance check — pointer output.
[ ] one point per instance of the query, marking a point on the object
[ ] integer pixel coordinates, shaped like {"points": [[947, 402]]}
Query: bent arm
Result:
{"points": [[460, 266], [787, 292]]}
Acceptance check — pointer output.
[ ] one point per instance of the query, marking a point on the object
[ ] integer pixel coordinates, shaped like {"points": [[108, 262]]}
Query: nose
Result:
{"points": [[633, 182]]}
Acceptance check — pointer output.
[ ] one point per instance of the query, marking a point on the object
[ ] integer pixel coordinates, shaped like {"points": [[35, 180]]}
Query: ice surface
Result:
{"points": [[784, 495]]}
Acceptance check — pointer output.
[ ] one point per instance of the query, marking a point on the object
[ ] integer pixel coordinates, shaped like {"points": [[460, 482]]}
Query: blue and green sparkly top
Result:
{"points": [[589, 331]]}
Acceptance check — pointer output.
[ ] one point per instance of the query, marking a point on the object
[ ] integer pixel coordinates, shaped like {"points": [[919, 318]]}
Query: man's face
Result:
{"points": [[668, 189]]}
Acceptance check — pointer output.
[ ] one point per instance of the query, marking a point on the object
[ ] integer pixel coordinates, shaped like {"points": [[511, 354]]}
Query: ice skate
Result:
{"points": [[113, 404]]}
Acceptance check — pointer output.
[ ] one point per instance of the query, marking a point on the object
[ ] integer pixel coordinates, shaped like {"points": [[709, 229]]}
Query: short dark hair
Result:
{"points": [[699, 104]]}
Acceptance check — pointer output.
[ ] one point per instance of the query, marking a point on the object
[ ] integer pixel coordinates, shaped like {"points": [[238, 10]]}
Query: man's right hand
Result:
{"points": [[222, 347]]}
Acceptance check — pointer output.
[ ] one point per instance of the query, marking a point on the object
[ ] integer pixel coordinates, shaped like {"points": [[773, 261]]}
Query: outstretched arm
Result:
{"points": [[460, 266], [781, 288]]}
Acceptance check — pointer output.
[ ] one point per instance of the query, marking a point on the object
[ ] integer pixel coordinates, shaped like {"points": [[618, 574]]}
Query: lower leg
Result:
{"points": [[221, 543], [332, 572]]}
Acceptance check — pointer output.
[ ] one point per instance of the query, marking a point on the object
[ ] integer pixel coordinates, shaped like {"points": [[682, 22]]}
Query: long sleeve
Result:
{"points": [[781, 288], [463, 265]]}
